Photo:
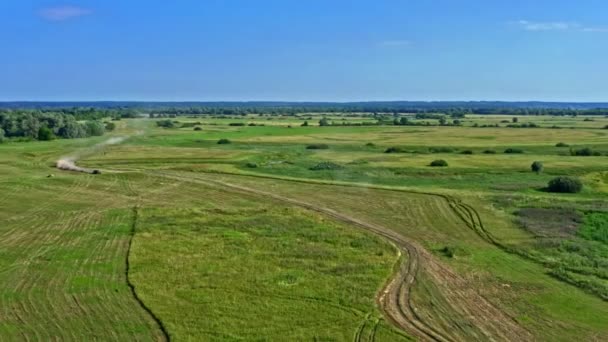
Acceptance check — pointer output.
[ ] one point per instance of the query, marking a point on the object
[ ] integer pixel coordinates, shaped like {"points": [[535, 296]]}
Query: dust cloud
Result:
{"points": [[68, 163]]}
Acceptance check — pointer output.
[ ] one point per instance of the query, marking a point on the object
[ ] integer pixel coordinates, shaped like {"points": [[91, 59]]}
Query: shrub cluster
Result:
{"points": [[512, 150], [438, 163], [317, 147], [166, 123], [565, 185], [326, 166], [441, 150], [224, 141], [395, 149], [585, 152]]}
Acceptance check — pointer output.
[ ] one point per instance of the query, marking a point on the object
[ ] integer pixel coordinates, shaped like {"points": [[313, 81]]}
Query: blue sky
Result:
{"points": [[313, 50]]}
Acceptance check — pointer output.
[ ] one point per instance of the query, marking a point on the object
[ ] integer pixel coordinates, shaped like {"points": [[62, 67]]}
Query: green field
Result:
{"points": [[183, 238]]}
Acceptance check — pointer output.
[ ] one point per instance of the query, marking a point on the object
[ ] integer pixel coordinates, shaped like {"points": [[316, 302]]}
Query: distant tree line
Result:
{"points": [[454, 109], [421, 113], [40, 125]]}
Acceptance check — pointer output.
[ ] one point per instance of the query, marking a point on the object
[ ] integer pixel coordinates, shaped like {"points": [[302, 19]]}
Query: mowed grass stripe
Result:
{"points": [[70, 281]]}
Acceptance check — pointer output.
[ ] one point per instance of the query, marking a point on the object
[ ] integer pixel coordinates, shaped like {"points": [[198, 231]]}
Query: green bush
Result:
{"points": [[95, 128], [565, 185], [585, 152], [165, 123], [448, 251], [236, 124], [439, 163], [317, 147], [467, 152], [198, 128], [45, 134], [224, 141], [251, 165], [512, 150], [489, 152], [326, 166], [537, 167], [110, 126], [441, 150], [561, 144], [394, 149]]}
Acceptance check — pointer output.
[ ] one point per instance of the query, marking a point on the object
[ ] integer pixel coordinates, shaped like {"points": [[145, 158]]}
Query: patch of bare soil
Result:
{"points": [[552, 223]]}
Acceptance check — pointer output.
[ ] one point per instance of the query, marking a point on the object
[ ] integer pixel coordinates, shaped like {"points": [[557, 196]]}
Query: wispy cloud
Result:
{"points": [[395, 43], [595, 29], [61, 13], [556, 26]]}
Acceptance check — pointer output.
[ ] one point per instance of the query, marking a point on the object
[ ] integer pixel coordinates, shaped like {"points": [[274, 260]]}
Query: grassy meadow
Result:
{"points": [[209, 263]]}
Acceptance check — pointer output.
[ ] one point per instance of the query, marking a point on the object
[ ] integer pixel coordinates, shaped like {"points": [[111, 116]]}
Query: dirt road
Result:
{"points": [[487, 321]]}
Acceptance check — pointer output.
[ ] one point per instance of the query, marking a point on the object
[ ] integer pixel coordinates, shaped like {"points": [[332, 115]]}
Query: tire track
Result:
{"points": [[395, 299]]}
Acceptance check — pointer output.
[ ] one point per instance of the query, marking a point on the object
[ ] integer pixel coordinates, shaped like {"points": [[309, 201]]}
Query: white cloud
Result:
{"points": [[61, 13], [595, 29], [546, 26], [557, 26], [395, 43]]}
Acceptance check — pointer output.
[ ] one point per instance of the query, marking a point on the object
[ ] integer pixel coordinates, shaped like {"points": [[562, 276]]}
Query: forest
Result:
{"points": [[38, 125]]}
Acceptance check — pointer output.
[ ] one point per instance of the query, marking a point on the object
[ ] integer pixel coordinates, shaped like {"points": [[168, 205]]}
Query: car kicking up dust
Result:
{"points": [[68, 163]]}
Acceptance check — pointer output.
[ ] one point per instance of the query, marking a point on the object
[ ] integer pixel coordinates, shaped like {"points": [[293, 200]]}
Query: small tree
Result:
{"points": [[565, 185], [537, 167], [45, 134], [223, 141], [324, 122], [95, 128], [1, 135], [110, 126], [515, 120], [305, 124]]}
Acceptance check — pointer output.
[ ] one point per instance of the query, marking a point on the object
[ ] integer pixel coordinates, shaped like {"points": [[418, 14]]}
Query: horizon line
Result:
{"points": [[304, 101]]}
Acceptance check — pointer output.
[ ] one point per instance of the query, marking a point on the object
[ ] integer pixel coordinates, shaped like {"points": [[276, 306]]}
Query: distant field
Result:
{"points": [[247, 240]]}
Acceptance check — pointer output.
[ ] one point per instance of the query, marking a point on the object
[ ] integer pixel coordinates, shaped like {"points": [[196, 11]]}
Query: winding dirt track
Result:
{"points": [[395, 298]]}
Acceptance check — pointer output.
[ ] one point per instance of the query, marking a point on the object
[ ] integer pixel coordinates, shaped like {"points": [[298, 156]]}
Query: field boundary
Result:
{"points": [[141, 303]]}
